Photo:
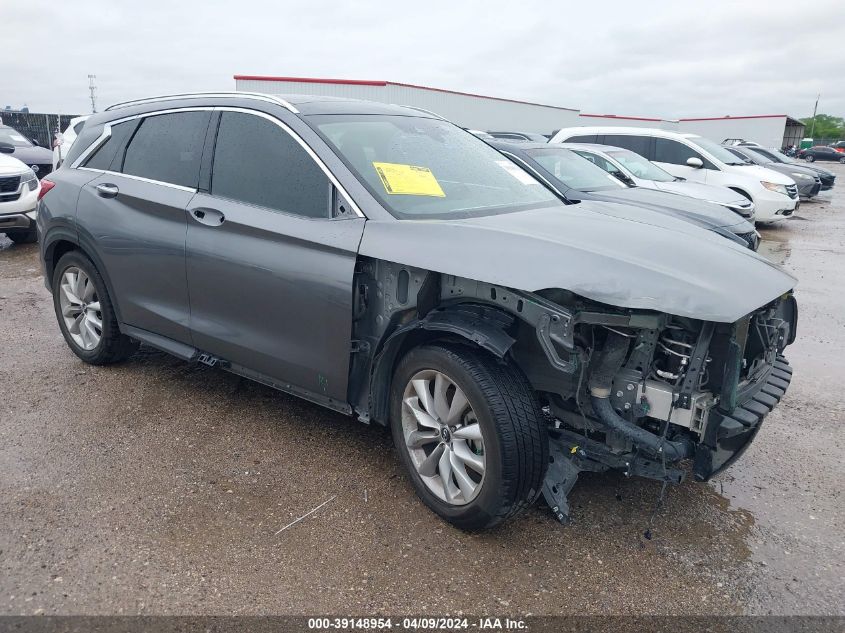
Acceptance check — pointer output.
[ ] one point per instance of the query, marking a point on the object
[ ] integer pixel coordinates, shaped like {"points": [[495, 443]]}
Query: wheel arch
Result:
{"points": [[741, 192], [62, 241], [468, 324]]}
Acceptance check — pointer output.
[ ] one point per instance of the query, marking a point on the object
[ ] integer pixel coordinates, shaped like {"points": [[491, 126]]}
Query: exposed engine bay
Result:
{"points": [[632, 390]]}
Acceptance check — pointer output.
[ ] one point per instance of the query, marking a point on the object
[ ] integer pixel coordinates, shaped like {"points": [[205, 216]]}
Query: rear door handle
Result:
{"points": [[107, 190], [209, 217]]}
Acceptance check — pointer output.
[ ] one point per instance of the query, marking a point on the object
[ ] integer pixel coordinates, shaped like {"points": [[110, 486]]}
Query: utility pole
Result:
{"points": [[92, 88], [815, 109]]}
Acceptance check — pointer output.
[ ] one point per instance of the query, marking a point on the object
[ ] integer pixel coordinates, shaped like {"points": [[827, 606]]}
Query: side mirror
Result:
{"points": [[6, 148], [35, 142], [694, 161], [623, 177]]}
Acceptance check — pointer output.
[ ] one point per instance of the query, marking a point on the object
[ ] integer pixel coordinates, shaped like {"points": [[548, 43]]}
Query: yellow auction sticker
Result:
{"points": [[409, 180]]}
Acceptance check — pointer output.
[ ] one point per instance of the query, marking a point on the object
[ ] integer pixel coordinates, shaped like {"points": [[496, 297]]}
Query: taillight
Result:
{"points": [[46, 185]]}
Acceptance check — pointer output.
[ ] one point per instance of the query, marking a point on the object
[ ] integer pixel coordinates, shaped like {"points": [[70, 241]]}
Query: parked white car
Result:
{"points": [[698, 159], [636, 171], [66, 139], [19, 189]]}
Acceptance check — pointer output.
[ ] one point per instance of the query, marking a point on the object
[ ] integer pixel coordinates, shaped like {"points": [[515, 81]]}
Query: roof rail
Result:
{"points": [[434, 114], [252, 95]]}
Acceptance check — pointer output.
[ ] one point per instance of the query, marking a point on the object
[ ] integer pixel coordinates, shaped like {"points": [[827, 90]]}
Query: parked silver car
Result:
{"points": [[382, 262], [634, 170]]}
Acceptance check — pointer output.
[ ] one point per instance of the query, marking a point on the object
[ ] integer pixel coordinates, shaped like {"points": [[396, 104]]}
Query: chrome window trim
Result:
{"points": [[296, 137], [191, 95], [140, 178], [107, 130], [304, 146]]}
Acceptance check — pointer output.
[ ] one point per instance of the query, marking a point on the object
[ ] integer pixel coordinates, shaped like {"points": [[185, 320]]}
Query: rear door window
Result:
{"points": [[669, 151], [168, 148], [638, 144], [257, 162]]}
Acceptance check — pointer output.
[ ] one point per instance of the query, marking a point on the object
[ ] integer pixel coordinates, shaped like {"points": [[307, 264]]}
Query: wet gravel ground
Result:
{"points": [[159, 487]]}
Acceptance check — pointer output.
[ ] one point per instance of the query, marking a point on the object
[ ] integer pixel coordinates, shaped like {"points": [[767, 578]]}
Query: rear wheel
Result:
{"points": [[470, 433], [809, 158], [842, 160], [86, 314]]}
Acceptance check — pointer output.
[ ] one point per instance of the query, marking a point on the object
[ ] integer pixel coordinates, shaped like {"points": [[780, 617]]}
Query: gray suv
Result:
{"points": [[382, 262]]}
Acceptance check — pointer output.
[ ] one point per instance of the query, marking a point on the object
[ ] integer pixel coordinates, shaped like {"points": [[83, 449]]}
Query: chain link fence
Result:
{"points": [[36, 126]]}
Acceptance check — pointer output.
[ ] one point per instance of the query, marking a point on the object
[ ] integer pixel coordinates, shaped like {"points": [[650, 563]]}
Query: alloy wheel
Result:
{"points": [[81, 308], [443, 437]]}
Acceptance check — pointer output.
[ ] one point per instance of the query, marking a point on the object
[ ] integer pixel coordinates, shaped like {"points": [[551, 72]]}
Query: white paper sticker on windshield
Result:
{"points": [[517, 172]]}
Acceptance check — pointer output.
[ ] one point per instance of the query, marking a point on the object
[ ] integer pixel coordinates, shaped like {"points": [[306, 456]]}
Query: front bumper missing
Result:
{"points": [[729, 434]]}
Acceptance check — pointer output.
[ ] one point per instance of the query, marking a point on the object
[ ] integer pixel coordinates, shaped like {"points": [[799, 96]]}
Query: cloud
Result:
{"points": [[670, 59]]}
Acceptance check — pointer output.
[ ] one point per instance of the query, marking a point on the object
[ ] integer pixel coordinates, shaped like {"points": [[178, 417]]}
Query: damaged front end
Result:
{"points": [[653, 390], [638, 391]]}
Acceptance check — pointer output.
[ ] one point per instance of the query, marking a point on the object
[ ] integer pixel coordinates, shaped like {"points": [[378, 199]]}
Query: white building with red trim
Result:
{"points": [[499, 114], [463, 108]]}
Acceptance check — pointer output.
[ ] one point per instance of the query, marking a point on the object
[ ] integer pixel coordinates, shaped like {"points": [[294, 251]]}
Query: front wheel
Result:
{"points": [[842, 160], [469, 431], [809, 158]]}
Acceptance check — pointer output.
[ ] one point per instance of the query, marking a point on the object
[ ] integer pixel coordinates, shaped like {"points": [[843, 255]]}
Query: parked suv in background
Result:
{"points": [[697, 159], [808, 181], [828, 178], [575, 178], [66, 139], [383, 262], [39, 159], [18, 193]]}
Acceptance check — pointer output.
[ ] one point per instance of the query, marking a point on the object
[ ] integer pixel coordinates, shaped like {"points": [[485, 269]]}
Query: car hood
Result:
{"points": [[621, 262], [33, 155], [762, 173], [706, 213], [709, 193], [9, 165], [786, 169]]}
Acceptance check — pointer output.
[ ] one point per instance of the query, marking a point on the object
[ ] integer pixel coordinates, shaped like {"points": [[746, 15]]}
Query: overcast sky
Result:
{"points": [[655, 58]]}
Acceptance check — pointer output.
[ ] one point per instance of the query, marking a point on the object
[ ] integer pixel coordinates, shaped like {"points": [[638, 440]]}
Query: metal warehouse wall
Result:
{"points": [[621, 121], [768, 131], [477, 112]]}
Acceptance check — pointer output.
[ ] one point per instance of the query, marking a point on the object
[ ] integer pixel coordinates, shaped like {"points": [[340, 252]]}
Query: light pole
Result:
{"points": [[92, 88], [815, 109]]}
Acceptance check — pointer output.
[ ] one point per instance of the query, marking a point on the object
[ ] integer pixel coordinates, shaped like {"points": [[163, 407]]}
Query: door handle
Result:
{"points": [[107, 190], [209, 217]]}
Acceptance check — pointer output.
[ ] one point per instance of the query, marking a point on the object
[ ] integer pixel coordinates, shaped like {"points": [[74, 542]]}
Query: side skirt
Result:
{"points": [[194, 355]]}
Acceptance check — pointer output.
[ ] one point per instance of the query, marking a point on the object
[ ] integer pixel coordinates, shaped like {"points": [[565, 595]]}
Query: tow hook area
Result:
{"points": [[571, 453]]}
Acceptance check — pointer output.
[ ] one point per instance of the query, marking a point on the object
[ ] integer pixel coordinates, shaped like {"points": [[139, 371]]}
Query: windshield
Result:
{"points": [[756, 156], [718, 152], [639, 166], [11, 135], [740, 155], [430, 168], [574, 171]]}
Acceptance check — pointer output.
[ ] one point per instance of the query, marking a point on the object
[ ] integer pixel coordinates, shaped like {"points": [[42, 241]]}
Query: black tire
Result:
{"points": [[516, 444], [23, 237], [842, 160], [113, 346], [809, 158]]}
